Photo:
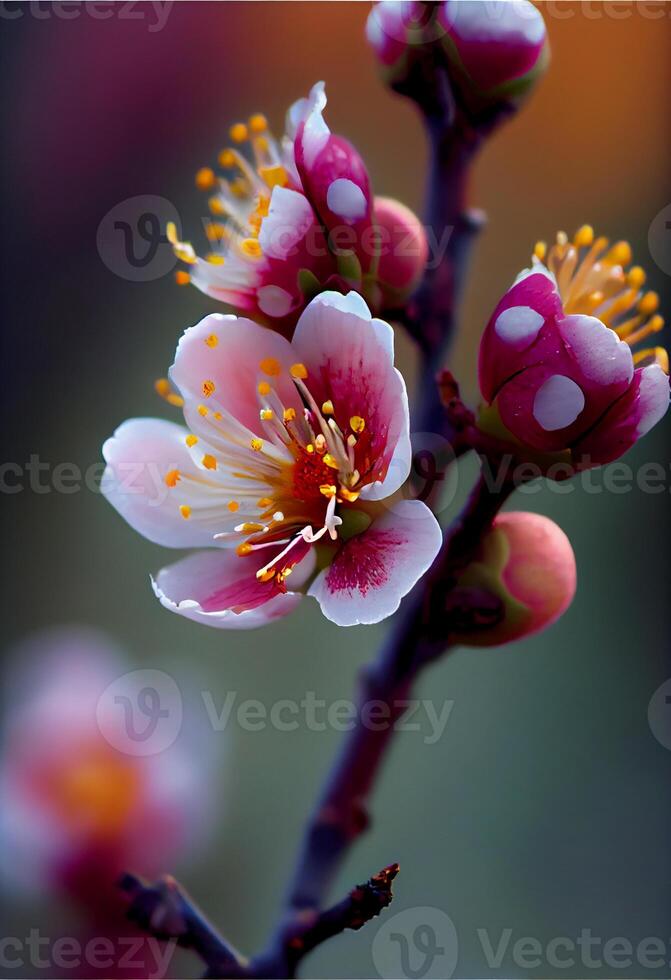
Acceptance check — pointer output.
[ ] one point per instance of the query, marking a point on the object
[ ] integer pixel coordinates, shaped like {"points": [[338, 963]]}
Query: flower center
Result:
{"points": [[600, 281]]}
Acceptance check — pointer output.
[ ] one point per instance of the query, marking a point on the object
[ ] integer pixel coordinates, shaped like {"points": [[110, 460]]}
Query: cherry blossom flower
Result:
{"points": [[81, 804], [557, 359], [291, 453], [527, 561], [291, 218]]}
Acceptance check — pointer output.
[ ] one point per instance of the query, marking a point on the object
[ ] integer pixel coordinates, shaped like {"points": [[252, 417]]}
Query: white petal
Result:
{"points": [[558, 402], [653, 397], [346, 199], [274, 301], [372, 572], [602, 356], [139, 455], [518, 326]]}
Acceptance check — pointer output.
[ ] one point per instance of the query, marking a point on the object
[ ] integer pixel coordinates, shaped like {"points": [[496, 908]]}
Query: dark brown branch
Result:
{"points": [[309, 929], [164, 910]]}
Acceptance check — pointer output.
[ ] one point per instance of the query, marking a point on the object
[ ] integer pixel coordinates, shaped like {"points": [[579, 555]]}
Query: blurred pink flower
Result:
{"points": [[289, 451], [81, 806], [556, 363]]}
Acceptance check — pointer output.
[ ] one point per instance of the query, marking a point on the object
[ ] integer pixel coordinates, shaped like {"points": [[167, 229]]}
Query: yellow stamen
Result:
{"points": [[258, 123], [171, 478], [636, 277], [257, 445], [584, 237], [238, 133], [209, 462], [185, 511], [328, 490], [205, 179], [264, 388], [215, 231], [540, 250], [274, 176], [227, 158], [244, 549], [191, 440], [214, 258], [216, 206], [233, 505], [202, 410], [266, 414], [327, 408], [182, 278], [331, 461], [270, 366], [162, 388], [351, 496], [298, 371], [266, 576], [249, 528], [251, 247], [648, 304], [289, 414], [309, 448], [619, 254], [653, 355], [357, 424], [264, 503], [208, 388]]}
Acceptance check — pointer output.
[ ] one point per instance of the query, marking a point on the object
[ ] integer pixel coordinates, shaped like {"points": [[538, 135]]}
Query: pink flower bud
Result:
{"points": [[403, 250], [497, 48], [527, 562], [557, 362], [393, 29]]}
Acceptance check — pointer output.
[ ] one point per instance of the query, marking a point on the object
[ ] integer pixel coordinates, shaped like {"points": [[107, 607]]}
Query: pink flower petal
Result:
{"points": [[228, 351], [139, 455], [350, 361], [631, 417], [208, 586], [371, 573], [521, 330]]}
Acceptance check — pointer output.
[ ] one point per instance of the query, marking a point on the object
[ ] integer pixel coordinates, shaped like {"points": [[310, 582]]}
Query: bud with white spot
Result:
{"points": [[526, 562], [558, 367], [496, 49]]}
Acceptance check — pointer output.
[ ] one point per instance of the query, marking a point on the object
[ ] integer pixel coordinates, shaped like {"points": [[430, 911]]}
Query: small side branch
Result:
{"points": [[164, 910]]}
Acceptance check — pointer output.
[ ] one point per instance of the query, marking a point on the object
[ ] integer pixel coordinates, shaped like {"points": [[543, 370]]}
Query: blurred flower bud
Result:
{"points": [[496, 49], [527, 563], [403, 251], [395, 29]]}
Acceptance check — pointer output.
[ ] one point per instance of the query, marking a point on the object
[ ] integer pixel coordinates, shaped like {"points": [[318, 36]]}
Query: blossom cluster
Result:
{"points": [[289, 473]]}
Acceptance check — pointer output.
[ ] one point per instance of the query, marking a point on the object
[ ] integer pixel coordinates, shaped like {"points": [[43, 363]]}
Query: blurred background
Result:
{"points": [[544, 807]]}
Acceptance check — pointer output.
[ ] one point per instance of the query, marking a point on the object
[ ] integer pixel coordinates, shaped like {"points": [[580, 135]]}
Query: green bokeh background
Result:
{"points": [[545, 806]]}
